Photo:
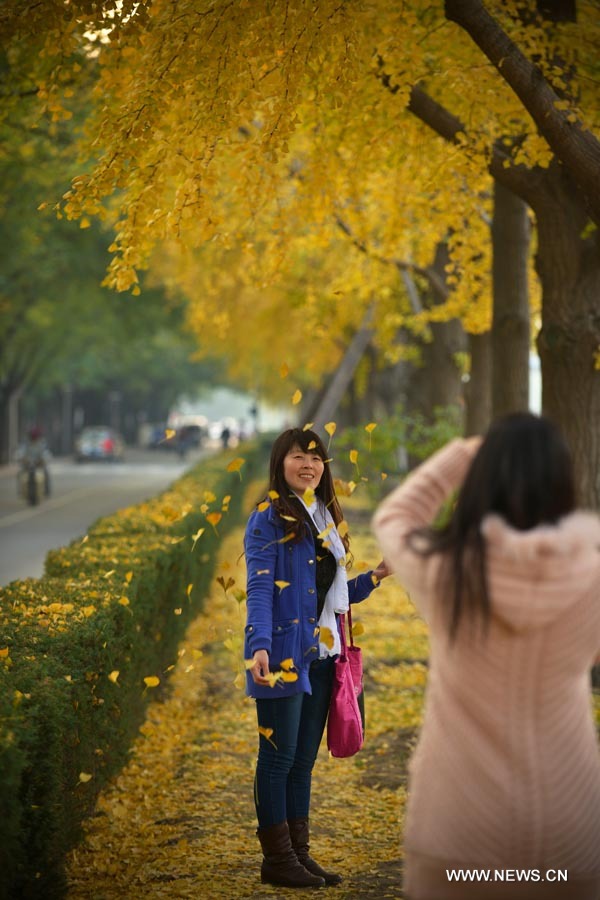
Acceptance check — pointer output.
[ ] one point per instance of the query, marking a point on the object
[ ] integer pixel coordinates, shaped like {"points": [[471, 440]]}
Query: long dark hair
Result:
{"points": [[522, 472], [285, 503]]}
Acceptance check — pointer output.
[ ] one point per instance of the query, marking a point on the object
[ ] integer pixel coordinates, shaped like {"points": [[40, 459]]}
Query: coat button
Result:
{"points": [[311, 562], [314, 649], [311, 620], [311, 590]]}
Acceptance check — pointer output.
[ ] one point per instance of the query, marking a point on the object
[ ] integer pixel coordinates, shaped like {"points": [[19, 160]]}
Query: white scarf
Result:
{"points": [[336, 600]]}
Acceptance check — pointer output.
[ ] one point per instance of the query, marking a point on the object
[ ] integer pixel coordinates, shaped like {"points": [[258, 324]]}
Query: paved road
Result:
{"points": [[81, 493]]}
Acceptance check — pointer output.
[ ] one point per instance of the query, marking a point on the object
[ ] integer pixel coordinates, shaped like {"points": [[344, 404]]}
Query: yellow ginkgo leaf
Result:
{"points": [[312, 445], [273, 495], [151, 681], [113, 676], [235, 465], [287, 664], [262, 506], [282, 584], [309, 496], [342, 528], [195, 537], [296, 397], [370, 427], [214, 518], [326, 637], [109, 573], [128, 577], [178, 611], [84, 777], [284, 370], [189, 589], [357, 629], [239, 681], [209, 497], [323, 534], [289, 676], [330, 428], [124, 601], [266, 733], [248, 663], [308, 426], [169, 433], [353, 456], [383, 476]]}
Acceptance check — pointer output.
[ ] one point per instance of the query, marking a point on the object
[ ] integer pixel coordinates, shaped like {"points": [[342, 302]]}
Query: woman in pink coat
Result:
{"points": [[504, 789]]}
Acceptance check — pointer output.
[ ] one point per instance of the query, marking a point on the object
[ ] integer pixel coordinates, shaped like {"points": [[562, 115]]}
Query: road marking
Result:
{"points": [[54, 503]]}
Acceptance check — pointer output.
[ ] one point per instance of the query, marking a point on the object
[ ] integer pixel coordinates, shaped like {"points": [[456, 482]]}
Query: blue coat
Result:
{"points": [[283, 620]]}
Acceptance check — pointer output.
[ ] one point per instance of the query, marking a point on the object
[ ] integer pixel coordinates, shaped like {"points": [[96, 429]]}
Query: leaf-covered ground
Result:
{"points": [[179, 821]]}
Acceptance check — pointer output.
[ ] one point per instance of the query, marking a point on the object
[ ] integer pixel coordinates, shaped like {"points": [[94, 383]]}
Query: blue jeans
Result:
{"points": [[286, 759]]}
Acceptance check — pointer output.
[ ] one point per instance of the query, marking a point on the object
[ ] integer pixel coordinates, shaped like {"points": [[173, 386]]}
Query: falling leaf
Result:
{"points": [[284, 371], [312, 445], [330, 428], [108, 574], [226, 584], [266, 733], [239, 681], [195, 537], [85, 539], [235, 465], [369, 429], [282, 584], [209, 497], [273, 495], [189, 589], [151, 681], [296, 397], [309, 496], [308, 426], [113, 676], [262, 506], [128, 577], [358, 628], [214, 518], [383, 476], [353, 456], [326, 637], [287, 664], [289, 676], [342, 528], [84, 777], [169, 433], [124, 601], [323, 534]]}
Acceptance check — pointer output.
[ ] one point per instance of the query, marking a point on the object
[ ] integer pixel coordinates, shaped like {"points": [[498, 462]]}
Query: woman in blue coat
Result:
{"points": [[297, 588]]}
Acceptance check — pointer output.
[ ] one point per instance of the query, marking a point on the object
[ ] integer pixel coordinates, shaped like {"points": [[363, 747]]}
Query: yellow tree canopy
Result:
{"points": [[251, 147]]}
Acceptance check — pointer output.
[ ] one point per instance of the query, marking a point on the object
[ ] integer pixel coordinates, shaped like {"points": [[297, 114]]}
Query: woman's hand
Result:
{"points": [[260, 667], [382, 571]]}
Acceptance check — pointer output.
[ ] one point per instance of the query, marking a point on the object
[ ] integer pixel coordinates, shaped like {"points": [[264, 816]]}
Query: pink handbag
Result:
{"points": [[345, 722]]}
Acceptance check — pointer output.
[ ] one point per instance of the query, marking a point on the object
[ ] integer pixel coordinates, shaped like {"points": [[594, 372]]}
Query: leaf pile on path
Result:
{"points": [[179, 821]]}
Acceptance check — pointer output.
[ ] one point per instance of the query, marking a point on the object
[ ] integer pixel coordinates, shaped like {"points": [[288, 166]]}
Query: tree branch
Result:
{"points": [[577, 148]]}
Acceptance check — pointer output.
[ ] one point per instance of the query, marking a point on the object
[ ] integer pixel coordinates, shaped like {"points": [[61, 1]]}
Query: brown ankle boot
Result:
{"points": [[299, 836], [280, 864]]}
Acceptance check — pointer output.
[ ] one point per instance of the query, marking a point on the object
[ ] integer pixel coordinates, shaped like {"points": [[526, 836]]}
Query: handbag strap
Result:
{"points": [[350, 625]]}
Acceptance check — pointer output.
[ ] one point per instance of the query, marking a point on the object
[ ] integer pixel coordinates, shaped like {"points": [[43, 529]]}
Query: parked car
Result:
{"points": [[99, 442]]}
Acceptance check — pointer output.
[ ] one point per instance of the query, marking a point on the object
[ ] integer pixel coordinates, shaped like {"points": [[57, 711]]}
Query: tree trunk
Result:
{"points": [[568, 265], [478, 393], [510, 320]]}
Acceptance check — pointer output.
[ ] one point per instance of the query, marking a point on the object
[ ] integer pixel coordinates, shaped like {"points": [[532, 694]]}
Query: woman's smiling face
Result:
{"points": [[302, 470]]}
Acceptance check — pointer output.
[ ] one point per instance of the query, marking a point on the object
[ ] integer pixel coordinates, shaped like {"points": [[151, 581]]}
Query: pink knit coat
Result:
{"points": [[506, 773]]}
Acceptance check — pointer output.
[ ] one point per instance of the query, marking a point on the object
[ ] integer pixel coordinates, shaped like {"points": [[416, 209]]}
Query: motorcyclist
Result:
{"points": [[35, 454]]}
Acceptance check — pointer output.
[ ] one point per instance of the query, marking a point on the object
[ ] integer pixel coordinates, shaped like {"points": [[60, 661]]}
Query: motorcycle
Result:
{"points": [[33, 482]]}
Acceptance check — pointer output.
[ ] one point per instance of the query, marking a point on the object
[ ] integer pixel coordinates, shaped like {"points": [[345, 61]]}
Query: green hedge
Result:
{"points": [[116, 601]]}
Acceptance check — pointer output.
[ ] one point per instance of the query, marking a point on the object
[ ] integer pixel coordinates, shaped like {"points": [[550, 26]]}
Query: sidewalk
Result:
{"points": [[179, 820]]}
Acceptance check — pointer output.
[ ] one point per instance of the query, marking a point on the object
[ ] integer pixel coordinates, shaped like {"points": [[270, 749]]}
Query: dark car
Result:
{"points": [[99, 442]]}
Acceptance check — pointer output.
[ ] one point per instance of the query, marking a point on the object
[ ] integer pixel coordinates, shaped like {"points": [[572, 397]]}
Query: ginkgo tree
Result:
{"points": [[226, 122]]}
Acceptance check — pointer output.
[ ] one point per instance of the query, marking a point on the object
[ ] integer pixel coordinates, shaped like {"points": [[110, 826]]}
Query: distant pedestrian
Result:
{"points": [[506, 774], [297, 588], [225, 437]]}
